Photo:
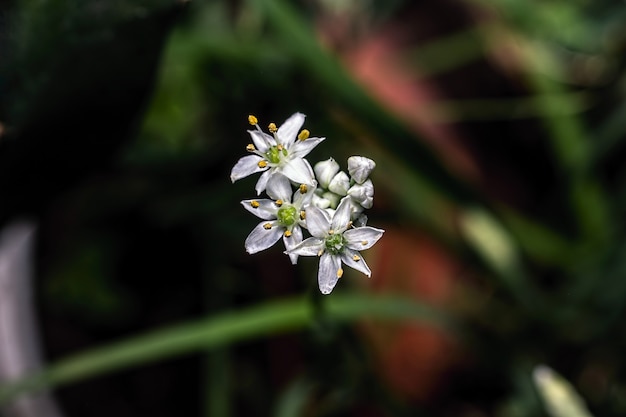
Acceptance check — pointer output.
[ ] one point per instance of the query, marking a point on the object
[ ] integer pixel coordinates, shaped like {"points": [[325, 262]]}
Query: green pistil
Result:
{"points": [[287, 215], [334, 243], [274, 154]]}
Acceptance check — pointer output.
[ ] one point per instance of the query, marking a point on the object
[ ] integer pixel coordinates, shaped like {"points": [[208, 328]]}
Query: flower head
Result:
{"points": [[336, 242], [282, 152], [283, 216]]}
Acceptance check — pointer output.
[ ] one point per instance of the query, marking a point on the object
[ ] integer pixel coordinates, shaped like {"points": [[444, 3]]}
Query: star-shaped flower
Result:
{"points": [[282, 152], [283, 214], [335, 241]]}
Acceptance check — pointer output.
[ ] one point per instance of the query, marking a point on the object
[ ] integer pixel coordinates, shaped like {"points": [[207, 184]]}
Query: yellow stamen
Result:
{"points": [[349, 224], [364, 242], [279, 203], [254, 204], [302, 215], [356, 258], [253, 120], [250, 148], [287, 233], [304, 135], [267, 226], [262, 163], [320, 252], [339, 273], [303, 188], [331, 232], [279, 147], [272, 127]]}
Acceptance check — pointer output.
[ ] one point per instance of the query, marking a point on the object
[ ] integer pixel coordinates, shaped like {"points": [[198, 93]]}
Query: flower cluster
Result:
{"points": [[323, 200]]}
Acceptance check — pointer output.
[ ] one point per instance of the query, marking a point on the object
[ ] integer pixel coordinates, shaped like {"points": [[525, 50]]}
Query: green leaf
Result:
{"points": [[225, 329]]}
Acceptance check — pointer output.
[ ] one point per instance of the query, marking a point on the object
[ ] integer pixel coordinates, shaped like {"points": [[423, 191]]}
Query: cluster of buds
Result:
{"points": [[323, 200]]}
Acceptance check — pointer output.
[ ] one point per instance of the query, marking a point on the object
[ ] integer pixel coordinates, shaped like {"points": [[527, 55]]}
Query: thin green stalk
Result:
{"points": [[231, 327]]}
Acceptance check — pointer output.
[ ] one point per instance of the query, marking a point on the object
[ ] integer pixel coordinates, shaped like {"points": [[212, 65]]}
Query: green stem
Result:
{"points": [[218, 331]]}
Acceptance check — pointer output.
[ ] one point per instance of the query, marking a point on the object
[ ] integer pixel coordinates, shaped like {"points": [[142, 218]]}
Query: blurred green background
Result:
{"points": [[499, 132]]}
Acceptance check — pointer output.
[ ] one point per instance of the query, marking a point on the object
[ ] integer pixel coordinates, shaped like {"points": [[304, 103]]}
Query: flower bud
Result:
{"points": [[325, 171], [363, 194], [360, 168], [320, 202], [332, 198], [340, 184]]}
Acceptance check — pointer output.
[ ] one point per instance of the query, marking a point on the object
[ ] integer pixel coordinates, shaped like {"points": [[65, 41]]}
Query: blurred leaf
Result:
{"points": [[293, 401], [263, 320], [558, 395]]}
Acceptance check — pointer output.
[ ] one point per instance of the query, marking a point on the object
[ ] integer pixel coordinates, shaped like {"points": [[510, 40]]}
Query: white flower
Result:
{"points": [[335, 242], [283, 153], [360, 168], [283, 215]]}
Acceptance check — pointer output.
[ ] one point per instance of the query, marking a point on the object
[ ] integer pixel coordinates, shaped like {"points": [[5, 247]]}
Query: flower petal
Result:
{"points": [[247, 165], [262, 141], [341, 218], [261, 238], [317, 222], [288, 131], [299, 171], [261, 184], [353, 259], [328, 273], [309, 247], [263, 208], [300, 200], [279, 188], [301, 148], [292, 241], [361, 238]]}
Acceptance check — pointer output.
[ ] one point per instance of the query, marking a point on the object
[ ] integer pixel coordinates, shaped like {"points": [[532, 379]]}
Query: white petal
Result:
{"points": [[266, 209], [317, 222], [279, 188], [261, 238], [341, 218], [363, 193], [360, 168], [288, 131], [361, 238], [247, 165], [340, 184], [301, 148], [261, 184], [308, 247], [292, 241], [302, 200], [262, 141], [353, 259], [325, 171], [328, 274], [299, 171]]}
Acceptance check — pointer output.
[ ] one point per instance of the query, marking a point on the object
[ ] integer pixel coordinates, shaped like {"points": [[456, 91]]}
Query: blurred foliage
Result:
{"points": [[120, 122]]}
